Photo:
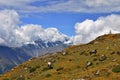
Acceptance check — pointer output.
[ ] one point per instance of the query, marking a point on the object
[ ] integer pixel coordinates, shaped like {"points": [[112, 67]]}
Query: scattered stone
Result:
{"points": [[52, 59], [118, 52], [64, 53], [12, 69], [82, 53], [45, 60], [21, 76], [87, 77], [97, 63], [95, 59], [102, 58], [97, 72], [81, 79], [59, 69], [107, 48], [112, 53], [114, 60], [70, 59], [89, 63], [93, 52], [25, 68]]}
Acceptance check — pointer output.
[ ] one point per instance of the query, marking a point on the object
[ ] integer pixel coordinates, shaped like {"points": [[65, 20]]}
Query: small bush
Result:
{"points": [[5, 79], [94, 59], [45, 69], [116, 69], [48, 75], [21, 78], [60, 68], [38, 66], [32, 70], [106, 74], [78, 67]]}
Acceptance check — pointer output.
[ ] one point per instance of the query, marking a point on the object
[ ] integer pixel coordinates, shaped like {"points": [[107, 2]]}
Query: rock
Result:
{"points": [[25, 68], [102, 58], [118, 52], [112, 53], [82, 53], [93, 52], [81, 79], [52, 59], [59, 69], [64, 53], [89, 63], [114, 60], [97, 72], [95, 59], [70, 59]]}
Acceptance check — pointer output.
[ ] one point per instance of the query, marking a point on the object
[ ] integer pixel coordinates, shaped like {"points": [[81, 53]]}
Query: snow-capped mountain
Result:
{"points": [[40, 47], [13, 56]]}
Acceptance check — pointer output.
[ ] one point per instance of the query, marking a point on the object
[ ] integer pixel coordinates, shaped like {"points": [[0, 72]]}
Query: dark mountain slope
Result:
{"points": [[11, 57]]}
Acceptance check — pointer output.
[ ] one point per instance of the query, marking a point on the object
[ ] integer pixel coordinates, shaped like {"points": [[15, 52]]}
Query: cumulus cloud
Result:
{"points": [[89, 6], [89, 29], [11, 34]]}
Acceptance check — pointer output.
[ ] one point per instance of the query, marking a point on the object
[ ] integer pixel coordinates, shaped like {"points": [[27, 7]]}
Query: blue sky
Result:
{"points": [[62, 14], [80, 20], [65, 22]]}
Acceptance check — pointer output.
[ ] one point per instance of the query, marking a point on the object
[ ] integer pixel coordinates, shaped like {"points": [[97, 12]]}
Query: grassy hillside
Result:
{"points": [[73, 63]]}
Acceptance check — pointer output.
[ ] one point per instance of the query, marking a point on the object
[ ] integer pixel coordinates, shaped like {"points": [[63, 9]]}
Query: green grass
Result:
{"points": [[116, 69], [48, 75], [6, 79]]}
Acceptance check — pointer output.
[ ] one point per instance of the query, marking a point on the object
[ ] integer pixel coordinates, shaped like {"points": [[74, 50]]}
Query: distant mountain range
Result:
{"points": [[13, 56]]}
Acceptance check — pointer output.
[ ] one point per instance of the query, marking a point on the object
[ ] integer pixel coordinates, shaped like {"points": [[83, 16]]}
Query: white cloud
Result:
{"points": [[54, 35], [89, 29], [13, 35], [89, 6]]}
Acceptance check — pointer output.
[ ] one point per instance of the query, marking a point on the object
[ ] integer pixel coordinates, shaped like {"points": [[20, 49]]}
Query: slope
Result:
{"points": [[10, 58], [97, 60], [13, 56]]}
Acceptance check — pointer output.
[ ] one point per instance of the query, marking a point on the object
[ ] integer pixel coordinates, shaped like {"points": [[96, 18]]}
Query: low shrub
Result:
{"points": [[48, 75], [106, 74], [78, 67], [5, 79], [45, 69], [116, 69], [21, 78], [32, 70]]}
